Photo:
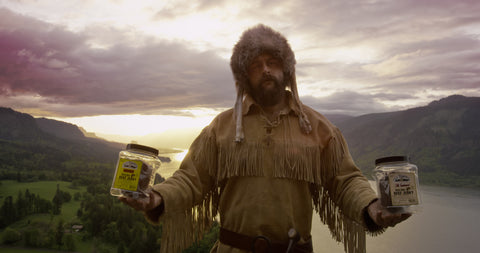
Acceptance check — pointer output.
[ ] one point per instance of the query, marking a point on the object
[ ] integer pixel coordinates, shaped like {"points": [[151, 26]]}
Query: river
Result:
{"points": [[449, 221]]}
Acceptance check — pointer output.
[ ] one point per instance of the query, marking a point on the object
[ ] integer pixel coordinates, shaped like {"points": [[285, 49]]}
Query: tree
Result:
{"points": [[29, 199], [69, 242], [21, 205], [32, 237], [77, 196], [121, 248], [11, 236], [66, 197], [207, 241], [8, 212], [57, 201], [59, 234], [110, 234]]}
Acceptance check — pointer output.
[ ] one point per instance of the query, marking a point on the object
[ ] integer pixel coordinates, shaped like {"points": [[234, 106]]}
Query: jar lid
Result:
{"points": [[389, 159], [142, 147]]}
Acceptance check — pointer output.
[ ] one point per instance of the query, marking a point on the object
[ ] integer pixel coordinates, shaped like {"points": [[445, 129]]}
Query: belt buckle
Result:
{"points": [[261, 244]]}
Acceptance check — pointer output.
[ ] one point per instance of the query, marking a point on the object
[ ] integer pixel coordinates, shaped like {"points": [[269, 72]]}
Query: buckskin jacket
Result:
{"points": [[267, 184]]}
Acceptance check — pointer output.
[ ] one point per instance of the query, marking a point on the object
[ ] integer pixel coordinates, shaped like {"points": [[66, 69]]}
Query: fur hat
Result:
{"points": [[253, 42]]}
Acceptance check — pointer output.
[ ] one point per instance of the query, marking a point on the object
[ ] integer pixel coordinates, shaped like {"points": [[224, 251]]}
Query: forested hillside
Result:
{"points": [[442, 139], [40, 153], [42, 150]]}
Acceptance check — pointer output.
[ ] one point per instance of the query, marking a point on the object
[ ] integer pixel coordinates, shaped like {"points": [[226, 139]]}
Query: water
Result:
{"points": [[448, 222], [167, 169]]}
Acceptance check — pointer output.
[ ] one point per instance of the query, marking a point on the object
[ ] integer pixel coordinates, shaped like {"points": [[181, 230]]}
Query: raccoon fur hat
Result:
{"points": [[253, 42]]}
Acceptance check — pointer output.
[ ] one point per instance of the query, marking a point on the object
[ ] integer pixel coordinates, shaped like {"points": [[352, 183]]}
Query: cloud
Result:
{"points": [[353, 103], [428, 49], [47, 61], [353, 56]]}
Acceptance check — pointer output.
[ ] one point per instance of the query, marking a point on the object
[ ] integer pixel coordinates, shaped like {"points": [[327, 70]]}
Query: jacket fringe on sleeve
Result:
{"points": [[316, 165]]}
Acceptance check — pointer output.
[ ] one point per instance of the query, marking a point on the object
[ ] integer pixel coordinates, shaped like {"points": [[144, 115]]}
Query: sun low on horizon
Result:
{"points": [[137, 125]]}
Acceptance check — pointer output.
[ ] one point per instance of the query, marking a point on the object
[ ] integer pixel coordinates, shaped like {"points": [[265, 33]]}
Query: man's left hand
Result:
{"points": [[383, 217]]}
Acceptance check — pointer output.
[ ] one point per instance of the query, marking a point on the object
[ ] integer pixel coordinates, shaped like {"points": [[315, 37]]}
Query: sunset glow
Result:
{"points": [[141, 67], [137, 125]]}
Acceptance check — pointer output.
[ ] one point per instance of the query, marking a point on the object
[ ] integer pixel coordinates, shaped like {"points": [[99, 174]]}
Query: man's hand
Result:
{"points": [[145, 204], [383, 217]]}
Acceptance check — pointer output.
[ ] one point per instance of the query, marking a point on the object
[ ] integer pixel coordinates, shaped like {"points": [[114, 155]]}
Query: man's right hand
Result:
{"points": [[144, 204], [383, 217]]}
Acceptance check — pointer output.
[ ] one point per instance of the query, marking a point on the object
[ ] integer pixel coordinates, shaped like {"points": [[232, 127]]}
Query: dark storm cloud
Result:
{"points": [[62, 67], [423, 50]]}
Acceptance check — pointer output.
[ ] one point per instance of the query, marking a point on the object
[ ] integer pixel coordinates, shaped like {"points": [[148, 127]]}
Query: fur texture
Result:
{"points": [[253, 42]]}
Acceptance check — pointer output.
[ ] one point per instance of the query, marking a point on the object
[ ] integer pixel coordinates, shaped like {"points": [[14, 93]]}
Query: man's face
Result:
{"points": [[266, 79]]}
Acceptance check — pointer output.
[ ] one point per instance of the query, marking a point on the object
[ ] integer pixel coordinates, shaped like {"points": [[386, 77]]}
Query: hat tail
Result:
{"points": [[302, 117], [239, 135]]}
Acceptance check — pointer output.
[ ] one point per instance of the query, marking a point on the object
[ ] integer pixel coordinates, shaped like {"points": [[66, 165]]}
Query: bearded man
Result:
{"points": [[264, 167]]}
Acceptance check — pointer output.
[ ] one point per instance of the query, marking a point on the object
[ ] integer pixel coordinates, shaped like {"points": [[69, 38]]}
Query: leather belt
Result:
{"points": [[260, 244]]}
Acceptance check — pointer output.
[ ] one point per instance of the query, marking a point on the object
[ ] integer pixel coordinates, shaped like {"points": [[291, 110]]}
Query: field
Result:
{"points": [[26, 250], [46, 190]]}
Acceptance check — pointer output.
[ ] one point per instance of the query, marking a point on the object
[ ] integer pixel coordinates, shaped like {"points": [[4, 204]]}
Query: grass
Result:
{"points": [[46, 190], [25, 250]]}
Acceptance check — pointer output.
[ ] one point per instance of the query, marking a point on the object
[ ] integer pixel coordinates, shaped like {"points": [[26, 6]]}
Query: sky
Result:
{"points": [[141, 67]]}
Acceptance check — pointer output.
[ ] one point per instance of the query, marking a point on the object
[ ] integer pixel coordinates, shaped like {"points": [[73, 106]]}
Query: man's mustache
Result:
{"points": [[266, 78]]}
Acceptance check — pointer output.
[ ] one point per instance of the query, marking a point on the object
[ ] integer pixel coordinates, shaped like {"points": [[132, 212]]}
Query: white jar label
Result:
{"points": [[403, 188]]}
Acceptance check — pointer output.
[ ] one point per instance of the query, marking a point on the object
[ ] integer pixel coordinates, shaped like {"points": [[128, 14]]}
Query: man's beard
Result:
{"points": [[266, 96]]}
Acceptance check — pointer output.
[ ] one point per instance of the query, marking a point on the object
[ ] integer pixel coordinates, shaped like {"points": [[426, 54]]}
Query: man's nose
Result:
{"points": [[266, 68]]}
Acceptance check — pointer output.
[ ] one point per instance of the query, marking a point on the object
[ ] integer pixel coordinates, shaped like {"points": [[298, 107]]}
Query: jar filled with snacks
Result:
{"points": [[397, 184], [135, 171]]}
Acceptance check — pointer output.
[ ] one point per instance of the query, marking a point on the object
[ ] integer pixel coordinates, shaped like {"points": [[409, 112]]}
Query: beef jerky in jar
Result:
{"points": [[397, 183], [135, 171]]}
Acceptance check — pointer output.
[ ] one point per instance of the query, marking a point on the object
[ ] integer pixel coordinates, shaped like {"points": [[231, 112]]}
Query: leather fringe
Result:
{"points": [[181, 230], [242, 159], [342, 228]]}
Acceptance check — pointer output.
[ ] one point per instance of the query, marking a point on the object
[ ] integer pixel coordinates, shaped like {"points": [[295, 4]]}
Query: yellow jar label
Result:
{"points": [[128, 172], [403, 188]]}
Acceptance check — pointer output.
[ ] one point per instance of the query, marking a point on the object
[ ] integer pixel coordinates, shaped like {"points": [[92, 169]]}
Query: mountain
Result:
{"points": [[28, 144], [60, 129], [40, 144], [18, 126], [337, 119], [440, 138]]}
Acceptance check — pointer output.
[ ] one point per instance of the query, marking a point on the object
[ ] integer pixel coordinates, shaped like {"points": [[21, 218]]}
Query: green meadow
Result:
{"points": [[46, 190], [26, 250]]}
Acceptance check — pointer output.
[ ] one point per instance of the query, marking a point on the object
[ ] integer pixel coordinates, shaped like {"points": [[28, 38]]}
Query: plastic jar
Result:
{"points": [[397, 183], [135, 171]]}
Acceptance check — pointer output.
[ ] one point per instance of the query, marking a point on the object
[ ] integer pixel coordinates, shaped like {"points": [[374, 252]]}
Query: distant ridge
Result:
{"points": [[20, 133], [18, 126], [442, 138], [60, 129]]}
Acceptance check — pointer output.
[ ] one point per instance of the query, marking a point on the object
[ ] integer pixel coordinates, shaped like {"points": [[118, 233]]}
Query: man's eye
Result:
{"points": [[255, 66], [274, 63]]}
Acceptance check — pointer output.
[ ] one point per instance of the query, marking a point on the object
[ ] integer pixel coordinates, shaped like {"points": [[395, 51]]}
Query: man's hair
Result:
{"points": [[253, 42]]}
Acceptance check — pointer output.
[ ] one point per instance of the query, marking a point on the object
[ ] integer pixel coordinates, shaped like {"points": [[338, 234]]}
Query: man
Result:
{"points": [[265, 166]]}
